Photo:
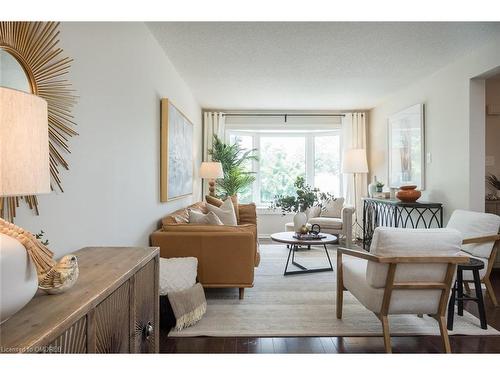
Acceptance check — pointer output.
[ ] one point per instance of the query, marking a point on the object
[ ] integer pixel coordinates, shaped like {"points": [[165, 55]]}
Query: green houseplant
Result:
{"points": [[233, 159], [305, 197]]}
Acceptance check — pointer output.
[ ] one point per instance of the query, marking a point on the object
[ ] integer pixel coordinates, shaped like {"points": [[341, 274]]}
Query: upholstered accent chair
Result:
{"points": [[335, 218], [481, 240], [407, 271]]}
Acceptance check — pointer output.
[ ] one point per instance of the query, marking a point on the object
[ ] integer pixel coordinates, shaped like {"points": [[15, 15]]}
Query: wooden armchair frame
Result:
{"points": [[390, 285], [491, 260]]}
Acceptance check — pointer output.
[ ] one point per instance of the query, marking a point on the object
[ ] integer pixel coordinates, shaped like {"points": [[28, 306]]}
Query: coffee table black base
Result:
{"points": [[291, 253]]}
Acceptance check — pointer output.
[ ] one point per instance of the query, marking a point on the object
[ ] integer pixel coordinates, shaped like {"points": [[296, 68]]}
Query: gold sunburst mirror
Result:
{"points": [[31, 61]]}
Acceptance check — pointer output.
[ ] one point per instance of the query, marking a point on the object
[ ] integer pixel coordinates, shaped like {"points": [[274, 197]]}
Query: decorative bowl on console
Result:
{"points": [[408, 193]]}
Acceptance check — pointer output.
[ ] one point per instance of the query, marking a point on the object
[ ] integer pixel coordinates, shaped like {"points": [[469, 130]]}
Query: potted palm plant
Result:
{"points": [[233, 159], [494, 183]]}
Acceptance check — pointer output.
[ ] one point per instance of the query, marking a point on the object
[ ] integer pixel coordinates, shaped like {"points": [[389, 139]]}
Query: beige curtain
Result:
{"points": [[213, 123], [354, 136]]}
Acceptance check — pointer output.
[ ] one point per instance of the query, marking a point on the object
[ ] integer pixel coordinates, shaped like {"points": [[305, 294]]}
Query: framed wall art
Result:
{"points": [[176, 159], [406, 147]]}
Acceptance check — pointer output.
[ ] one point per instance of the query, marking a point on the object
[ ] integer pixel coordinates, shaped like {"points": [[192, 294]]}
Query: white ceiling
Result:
{"points": [[311, 65]]}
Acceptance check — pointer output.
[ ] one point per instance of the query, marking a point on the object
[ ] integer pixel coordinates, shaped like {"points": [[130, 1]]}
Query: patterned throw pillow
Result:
{"points": [[333, 208], [225, 212], [196, 217]]}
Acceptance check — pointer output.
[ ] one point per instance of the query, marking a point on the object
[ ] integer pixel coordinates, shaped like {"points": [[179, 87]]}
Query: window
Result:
{"points": [[285, 155]]}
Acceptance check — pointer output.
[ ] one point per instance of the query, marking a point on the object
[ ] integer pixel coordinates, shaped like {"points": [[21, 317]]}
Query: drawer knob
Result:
{"points": [[148, 330]]}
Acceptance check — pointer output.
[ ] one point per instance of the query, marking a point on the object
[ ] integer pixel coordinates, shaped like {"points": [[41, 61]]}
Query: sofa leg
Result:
{"points": [[242, 293]]}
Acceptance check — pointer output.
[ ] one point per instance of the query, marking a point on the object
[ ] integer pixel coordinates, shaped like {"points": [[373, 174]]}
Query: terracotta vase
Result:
{"points": [[408, 194]]}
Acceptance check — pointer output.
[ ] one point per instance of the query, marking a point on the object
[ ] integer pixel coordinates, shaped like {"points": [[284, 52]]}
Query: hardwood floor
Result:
{"points": [[410, 344]]}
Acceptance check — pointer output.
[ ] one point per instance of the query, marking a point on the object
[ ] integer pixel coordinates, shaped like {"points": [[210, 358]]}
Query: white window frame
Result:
{"points": [[310, 151]]}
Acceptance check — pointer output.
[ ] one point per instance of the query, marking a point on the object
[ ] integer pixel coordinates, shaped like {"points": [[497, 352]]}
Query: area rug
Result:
{"points": [[304, 305]]}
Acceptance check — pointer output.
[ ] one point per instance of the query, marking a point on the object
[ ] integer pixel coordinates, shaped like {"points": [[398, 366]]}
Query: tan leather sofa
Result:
{"points": [[227, 255]]}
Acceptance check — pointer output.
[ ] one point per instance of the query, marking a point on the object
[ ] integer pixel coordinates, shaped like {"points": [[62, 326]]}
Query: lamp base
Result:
{"points": [[211, 187], [19, 281]]}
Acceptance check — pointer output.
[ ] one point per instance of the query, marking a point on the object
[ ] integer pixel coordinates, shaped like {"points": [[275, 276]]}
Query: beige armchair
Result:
{"points": [[407, 271], [336, 219]]}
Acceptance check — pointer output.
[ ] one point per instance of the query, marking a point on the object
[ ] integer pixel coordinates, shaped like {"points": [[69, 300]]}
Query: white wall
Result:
{"points": [[112, 188], [451, 137], [493, 127]]}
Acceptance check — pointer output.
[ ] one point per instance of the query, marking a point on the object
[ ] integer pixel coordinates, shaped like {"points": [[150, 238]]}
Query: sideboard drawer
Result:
{"points": [[112, 322], [145, 307], [73, 340]]}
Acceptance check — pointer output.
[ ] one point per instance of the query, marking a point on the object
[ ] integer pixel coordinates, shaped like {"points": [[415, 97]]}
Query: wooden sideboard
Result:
{"points": [[113, 308]]}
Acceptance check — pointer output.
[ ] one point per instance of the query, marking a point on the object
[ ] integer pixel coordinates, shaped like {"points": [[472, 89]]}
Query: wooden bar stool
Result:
{"points": [[458, 295]]}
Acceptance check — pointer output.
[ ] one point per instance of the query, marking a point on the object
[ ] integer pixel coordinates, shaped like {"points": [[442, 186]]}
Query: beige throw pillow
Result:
{"points": [[333, 208], [196, 217], [225, 212]]}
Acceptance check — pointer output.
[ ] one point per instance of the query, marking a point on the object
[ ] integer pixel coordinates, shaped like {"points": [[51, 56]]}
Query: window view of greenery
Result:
{"points": [[327, 164], [282, 160], [246, 143], [283, 157]]}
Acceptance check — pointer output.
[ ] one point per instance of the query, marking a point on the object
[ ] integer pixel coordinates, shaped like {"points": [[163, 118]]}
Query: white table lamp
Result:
{"points": [[211, 170], [24, 170]]}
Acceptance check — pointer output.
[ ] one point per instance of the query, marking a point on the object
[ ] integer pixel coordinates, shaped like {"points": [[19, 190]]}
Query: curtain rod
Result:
{"points": [[284, 114]]}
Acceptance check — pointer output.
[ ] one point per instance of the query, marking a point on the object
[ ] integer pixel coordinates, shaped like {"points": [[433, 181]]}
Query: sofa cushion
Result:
{"points": [[333, 208], [219, 202], [248, 214], [182, 215], [326, 222], [314, 211], [475, 224], [225, 212], [196, 217]]}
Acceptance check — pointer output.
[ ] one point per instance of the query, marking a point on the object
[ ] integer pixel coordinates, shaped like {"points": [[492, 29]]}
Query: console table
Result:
{"points": [[112, 308], [394, 213]]}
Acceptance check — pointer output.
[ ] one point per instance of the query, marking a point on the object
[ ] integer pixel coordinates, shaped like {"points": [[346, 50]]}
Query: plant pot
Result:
{"points": [[18, 278], [408, 194], [299, 220]]}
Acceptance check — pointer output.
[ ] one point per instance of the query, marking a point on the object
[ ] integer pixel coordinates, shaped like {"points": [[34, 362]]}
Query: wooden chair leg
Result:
{"points": [[490, 291], [387, 335], [444, 333], [242, 293], [340, 286]]}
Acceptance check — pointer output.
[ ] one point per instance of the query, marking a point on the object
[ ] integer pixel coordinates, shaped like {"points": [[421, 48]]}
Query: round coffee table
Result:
{"points": [[287, 238]]}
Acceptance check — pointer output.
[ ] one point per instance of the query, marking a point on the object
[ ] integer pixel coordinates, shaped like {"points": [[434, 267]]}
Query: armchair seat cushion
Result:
{"points": [[402, 301], [326, 222]]}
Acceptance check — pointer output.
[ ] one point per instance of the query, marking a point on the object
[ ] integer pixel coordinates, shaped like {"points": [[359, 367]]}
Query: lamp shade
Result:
{"points": [[354, 161], [24, 144], [211, 169]]}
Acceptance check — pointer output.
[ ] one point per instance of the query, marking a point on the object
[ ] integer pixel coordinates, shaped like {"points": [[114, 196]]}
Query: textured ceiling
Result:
{"points": [[311, 65]]}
